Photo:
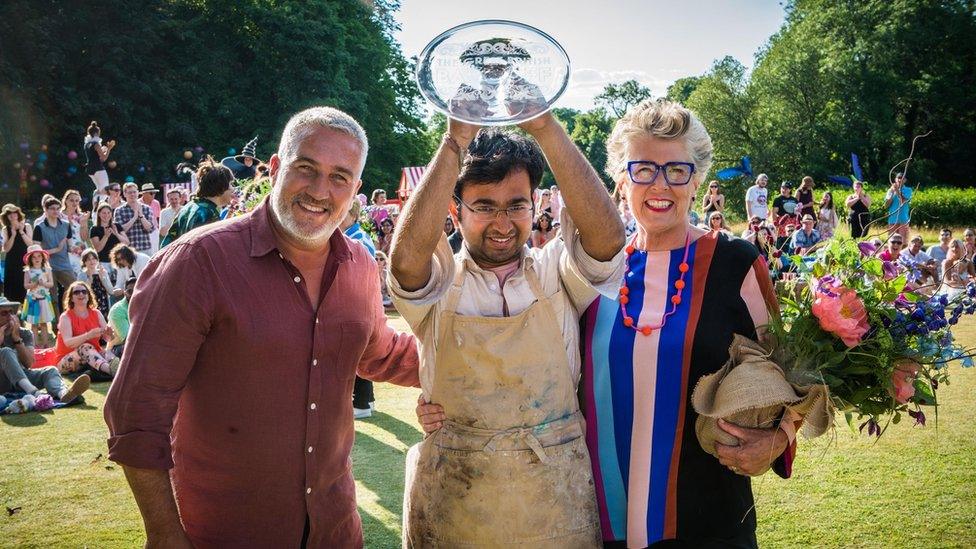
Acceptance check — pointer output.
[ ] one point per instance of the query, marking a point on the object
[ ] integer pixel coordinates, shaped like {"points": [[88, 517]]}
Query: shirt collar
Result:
{"points": [[264, 241]]}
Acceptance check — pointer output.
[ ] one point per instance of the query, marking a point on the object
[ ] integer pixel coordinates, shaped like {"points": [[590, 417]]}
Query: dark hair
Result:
{"points": [[213, 178], [544, 215], [493, 154], [93, 129], [66, 302], [123, 252], [47, 201]]}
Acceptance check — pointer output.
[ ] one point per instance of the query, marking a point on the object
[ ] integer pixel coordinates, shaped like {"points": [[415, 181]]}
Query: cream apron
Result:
{"points": [[510, 466]]}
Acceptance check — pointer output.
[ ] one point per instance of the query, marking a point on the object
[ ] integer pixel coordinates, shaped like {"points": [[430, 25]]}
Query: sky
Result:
{"points": [[652, 41]]}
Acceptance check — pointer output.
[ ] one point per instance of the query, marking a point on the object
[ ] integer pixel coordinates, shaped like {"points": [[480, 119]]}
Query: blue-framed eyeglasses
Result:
{"points": [[644, 172]]}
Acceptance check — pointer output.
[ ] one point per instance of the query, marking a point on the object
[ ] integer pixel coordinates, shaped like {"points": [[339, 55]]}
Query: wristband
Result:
{"points": [[452, 144]]}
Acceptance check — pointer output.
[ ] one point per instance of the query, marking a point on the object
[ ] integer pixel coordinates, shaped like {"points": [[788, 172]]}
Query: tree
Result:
{"points": [[617, 98], [682, 88], [162, 76]]}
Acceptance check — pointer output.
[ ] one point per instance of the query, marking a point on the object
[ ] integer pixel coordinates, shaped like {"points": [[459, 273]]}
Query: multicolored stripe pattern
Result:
{"points": [[634, 394]]}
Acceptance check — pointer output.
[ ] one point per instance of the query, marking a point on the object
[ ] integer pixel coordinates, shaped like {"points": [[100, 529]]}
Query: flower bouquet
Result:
{"points": [[850, 324]]}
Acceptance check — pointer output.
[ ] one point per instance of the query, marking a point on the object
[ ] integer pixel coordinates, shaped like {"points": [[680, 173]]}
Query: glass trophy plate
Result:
{"points": [[493, 72]]}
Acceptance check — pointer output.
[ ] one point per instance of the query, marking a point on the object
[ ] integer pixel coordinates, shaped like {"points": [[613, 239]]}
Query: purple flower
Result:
{"points": [[867, 249], [890, 270], [918, 416], [971, 289], [944, 300], [935, 385]]}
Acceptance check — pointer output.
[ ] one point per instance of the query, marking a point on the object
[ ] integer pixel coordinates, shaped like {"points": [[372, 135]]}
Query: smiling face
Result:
{"points": [[312, 191], [498, 241], [659, 207], [173, 199], [72, 202]]}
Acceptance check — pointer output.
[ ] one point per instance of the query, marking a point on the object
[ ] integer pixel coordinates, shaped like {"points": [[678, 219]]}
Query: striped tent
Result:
{"points": [[409, 179], [187, 187]]}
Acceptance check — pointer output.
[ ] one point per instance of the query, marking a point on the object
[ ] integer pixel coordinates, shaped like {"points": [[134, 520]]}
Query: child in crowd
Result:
{"points": [[97, 277], [38, 307]]}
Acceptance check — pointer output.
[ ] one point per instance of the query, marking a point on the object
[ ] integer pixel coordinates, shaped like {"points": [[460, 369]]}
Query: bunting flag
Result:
{"points": [[743, 169]]}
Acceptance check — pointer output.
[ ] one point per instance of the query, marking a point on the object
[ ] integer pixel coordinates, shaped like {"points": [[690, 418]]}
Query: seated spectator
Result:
{"points": [[893, 250], [80, 330], [958, 270], [385, 235], [716, 222], [754, 223], [382, 262], [921, 260], [453, 235], [542, 230], [350, 226], [939, 251], [17, 360], [807, 237], [127, 262], [118, 320], [215, 191]]}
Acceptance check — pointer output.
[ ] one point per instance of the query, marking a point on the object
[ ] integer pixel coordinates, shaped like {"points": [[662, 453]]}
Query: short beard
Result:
{"points": [[281, 209]]}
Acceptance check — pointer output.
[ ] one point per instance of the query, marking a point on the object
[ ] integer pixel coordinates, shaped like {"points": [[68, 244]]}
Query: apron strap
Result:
{"points": [[526, 435]]}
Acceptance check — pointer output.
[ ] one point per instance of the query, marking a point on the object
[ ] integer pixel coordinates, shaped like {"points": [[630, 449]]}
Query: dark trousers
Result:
{"points": [[362, 393]]}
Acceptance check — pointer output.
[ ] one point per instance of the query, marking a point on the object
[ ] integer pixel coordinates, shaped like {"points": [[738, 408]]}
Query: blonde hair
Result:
{"points": [[663, 119]]}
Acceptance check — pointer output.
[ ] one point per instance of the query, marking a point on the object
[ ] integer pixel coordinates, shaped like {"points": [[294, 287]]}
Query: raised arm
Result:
{"points": [[600, 228], [422, 219]]}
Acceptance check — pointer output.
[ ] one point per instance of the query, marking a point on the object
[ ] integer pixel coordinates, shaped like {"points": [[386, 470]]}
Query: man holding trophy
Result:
{"points": [[498, 324]]}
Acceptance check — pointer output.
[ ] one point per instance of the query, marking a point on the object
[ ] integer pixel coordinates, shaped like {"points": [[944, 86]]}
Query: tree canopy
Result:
{"points": [[164, 76]]}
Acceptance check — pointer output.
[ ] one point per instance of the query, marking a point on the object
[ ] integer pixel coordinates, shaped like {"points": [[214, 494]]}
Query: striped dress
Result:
{"points": [[653, 480]]}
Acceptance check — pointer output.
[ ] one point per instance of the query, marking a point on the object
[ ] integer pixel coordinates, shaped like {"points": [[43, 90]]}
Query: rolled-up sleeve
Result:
{"points": [[390, 356], [581, 273], [415, 305], [170, 319]]}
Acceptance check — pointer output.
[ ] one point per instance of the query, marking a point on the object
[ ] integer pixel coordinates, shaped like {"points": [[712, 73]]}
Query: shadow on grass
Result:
{"points": [[101, 388], [377, 534], [404, 432], [379, 467], [30, 419]]}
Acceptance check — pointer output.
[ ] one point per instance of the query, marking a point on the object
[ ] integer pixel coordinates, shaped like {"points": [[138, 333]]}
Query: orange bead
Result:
{"points": [[676, 299], [630, 250], [646, 330], [683, 267], [628, 321], [624, 300], [624, 290], [679, 284]]}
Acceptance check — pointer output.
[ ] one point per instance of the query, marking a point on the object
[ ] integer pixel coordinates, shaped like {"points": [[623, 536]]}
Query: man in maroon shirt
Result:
{"points": [[231, 413]]}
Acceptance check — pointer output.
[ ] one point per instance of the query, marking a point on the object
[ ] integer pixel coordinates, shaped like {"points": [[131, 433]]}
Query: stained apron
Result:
{"points": [[510, 465]]}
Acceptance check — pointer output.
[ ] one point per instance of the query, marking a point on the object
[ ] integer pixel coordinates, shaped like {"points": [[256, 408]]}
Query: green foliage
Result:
{"points": [[162, 76], [842, 77], [617, 98]]}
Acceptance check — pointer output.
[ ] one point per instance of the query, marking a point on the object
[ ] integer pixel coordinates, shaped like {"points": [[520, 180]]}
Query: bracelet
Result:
{"points": [[452, 143]]}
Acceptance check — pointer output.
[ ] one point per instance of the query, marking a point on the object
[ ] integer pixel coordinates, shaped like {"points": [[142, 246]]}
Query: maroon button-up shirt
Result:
{"points": [[232, 379]]}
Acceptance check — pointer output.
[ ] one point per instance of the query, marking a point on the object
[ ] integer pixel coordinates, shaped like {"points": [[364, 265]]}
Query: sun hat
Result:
{"points": [[35, 249], [6, 303], [148, 188]]}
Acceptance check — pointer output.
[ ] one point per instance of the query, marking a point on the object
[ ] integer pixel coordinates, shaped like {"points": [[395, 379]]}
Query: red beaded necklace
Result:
{"points": [[679, 285]]}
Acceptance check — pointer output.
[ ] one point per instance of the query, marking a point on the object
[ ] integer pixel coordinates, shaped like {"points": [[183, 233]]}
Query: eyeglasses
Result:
{"points": [[896, 242], [80, 291], [519, 212], [6, 312], [713, 186], [644, 172]]}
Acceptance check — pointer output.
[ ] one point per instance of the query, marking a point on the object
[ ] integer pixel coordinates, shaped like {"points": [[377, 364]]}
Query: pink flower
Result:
{"points": [[903, 381], [842, 314]]}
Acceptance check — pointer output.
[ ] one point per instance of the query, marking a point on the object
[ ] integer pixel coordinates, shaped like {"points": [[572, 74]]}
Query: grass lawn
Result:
{"points": [[912, 488]]}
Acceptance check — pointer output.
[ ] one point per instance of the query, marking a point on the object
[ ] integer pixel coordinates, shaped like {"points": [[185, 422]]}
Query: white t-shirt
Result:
{"points": [[756, 198]]}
